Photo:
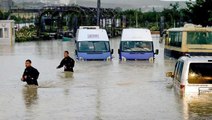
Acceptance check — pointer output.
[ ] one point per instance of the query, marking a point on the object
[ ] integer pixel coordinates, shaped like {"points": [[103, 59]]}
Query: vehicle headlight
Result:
{"points": [[81, 58], [151, 59], [108, 58], [123, 59]]}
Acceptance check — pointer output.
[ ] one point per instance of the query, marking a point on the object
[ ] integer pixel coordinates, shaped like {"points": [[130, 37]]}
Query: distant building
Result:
{"points": [[7, 32], [6, 5]]}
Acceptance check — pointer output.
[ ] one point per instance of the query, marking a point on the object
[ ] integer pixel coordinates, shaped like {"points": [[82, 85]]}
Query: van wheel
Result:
{"points": [[81, 59]]}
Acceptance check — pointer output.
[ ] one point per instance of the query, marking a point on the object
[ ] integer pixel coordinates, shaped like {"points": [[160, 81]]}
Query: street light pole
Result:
{"points": [[136, 16], [98, 12]]}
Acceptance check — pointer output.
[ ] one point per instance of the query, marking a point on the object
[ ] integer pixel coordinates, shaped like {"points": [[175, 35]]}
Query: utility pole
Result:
{"points": [[136, 16], [98, 12]]}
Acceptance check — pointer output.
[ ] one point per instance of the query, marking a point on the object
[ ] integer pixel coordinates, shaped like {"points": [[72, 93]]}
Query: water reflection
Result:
{"points": [[66, 75], [197, 107], [98, 104], [66, 78], [6, 50], [30, 96]]}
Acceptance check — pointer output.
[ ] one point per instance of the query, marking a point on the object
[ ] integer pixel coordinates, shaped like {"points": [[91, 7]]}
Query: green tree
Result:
{"points": [[172, 15], [1, 15], [132, 17], [136, 18], [6, 15], [200, 12]]}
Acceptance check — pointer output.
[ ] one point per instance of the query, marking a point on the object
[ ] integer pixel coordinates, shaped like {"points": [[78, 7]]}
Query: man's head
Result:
{"points": [[28, 63], [66, 53]]}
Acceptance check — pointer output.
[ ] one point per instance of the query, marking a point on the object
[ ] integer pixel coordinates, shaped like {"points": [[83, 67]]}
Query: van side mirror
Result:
{"points": [[112, 51], [119, 51], [156, 51], [170, 74]]}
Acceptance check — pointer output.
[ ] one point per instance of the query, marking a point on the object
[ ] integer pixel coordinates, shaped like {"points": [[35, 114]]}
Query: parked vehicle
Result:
{"points": [[192, 74], [92, 43], [190, 39], [136, 44], [68, 36]]}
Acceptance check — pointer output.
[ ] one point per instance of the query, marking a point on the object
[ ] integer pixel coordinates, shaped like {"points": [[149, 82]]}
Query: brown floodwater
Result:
{"points": [[98, 90]]}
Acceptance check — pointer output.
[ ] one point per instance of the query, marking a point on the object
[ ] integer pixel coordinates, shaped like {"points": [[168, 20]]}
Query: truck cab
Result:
{"points": [[92, 43], [136, 44]]}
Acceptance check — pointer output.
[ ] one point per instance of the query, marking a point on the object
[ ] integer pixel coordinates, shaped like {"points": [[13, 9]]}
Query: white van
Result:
{"points": [[92, 43], [136, 44], [192, 74]]}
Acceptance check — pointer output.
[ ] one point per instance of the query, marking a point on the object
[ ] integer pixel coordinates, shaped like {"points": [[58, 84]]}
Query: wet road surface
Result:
{"points": [[98, 90]]}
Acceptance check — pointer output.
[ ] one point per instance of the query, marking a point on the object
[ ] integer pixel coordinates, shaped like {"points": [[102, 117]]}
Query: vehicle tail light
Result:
{"points": [[182, 86]]}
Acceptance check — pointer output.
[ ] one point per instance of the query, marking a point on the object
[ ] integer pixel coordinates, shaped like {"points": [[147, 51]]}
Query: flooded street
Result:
{"points": [[98, 90]]}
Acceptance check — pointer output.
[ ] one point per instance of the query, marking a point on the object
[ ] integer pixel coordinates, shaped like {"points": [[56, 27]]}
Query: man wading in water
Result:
{"points": [[67, 62], [30, 74]]}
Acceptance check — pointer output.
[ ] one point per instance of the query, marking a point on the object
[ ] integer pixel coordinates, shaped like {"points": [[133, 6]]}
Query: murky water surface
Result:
{"points": [[98, 90]]}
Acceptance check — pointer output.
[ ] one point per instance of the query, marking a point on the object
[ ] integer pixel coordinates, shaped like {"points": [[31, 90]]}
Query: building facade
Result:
{"points": [[7, 32]]}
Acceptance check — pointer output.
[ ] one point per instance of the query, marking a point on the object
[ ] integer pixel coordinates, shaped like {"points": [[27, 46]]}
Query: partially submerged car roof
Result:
{"points": [[196, 58]]}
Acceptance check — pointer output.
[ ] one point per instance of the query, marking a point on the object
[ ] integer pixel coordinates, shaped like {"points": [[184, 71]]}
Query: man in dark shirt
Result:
{"points": [[67, 62], [30, 74]]}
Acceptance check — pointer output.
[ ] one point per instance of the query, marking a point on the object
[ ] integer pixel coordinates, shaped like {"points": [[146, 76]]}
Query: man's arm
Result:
{"points": [[36, 74], [61, 64], [24, 76], [72, 63]]}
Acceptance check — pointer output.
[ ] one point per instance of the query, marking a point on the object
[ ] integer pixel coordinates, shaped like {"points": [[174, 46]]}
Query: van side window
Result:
{"points": [[178, 70]]}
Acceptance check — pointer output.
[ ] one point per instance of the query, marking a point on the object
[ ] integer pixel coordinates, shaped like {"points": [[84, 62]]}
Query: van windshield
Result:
{"points": [[136, 46], [200, 73], [93, 46]]}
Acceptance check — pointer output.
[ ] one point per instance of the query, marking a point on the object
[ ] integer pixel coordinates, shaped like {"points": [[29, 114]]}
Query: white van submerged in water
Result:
{"points": [[192, 74], [92, 43], [136, 44]]}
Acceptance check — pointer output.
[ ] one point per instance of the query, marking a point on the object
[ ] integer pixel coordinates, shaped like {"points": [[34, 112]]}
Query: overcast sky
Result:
{"points": [[145, 4], [132, 3]]}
